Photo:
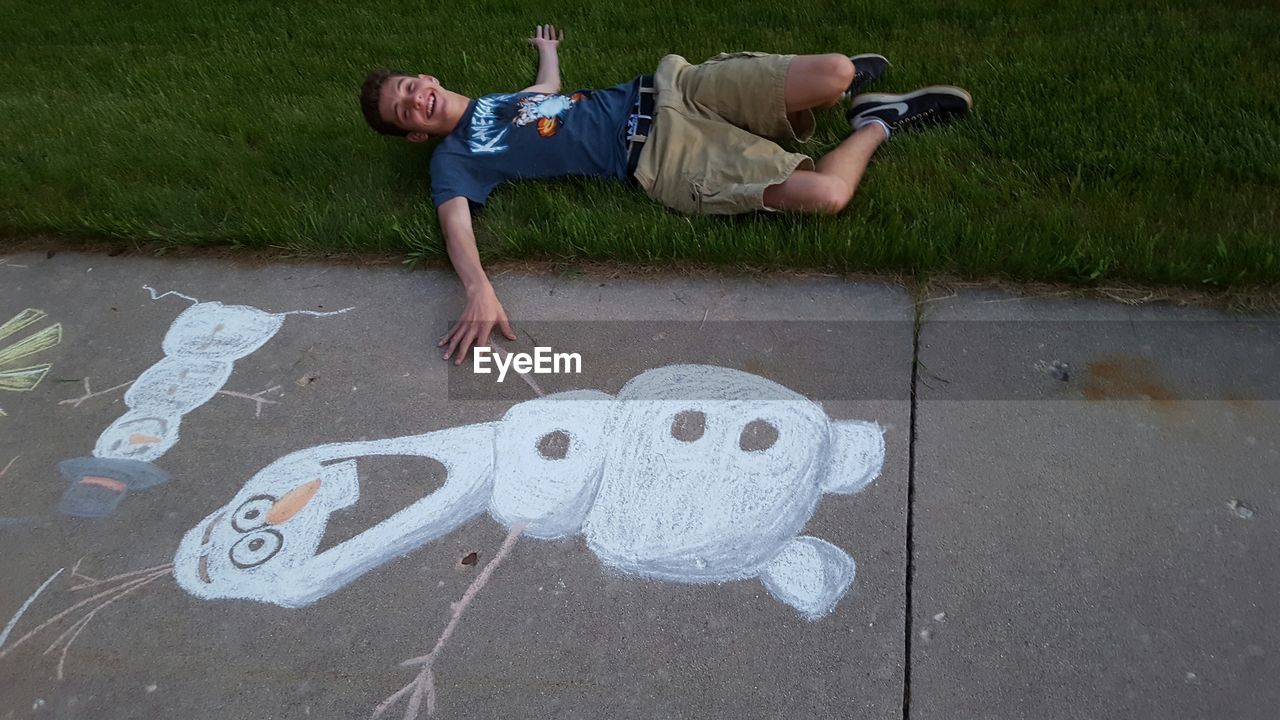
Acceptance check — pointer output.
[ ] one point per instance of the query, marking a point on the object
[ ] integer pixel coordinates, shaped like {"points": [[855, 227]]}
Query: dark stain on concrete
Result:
{"points": [[757, 368], [1240, 404], [1127, 377]]}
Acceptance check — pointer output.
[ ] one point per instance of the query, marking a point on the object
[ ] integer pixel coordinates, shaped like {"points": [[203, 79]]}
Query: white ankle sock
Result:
{"points": [[873, 120]]}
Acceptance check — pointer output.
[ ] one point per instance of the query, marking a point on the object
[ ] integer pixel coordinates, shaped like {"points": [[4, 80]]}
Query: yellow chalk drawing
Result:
{"points": [[25, 379]]}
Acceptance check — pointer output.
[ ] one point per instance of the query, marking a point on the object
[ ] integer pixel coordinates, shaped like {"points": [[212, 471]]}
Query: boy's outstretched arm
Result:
{"points": [[546, 39], [483, 311]]}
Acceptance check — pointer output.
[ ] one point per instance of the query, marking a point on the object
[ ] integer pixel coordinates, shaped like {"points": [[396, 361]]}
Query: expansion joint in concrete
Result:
{"points": [[911, 501]]}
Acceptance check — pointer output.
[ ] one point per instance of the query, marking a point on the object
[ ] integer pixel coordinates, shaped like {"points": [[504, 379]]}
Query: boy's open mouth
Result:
{"points": [[431, 105]]}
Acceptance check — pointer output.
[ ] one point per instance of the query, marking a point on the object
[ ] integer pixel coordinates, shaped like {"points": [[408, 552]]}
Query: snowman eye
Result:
{"points": [[757, 435], [255, 549], [252, 513], [554, 445], [689, 425]]}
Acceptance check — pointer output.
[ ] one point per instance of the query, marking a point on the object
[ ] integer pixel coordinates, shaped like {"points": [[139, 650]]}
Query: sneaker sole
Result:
{"points": [[880, 98]]}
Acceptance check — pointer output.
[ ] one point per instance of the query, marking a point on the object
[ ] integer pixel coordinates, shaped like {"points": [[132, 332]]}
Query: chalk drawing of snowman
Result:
{"points": [[200, 348], [691, 474]]}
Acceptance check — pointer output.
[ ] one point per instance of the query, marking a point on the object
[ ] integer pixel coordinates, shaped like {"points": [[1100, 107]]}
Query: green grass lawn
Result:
{"points": [[1112, 140]]}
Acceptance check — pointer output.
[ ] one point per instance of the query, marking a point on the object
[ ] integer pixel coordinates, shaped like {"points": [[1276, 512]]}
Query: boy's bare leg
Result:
{"points": [[828, 188], [849, 159], [817, 81]]}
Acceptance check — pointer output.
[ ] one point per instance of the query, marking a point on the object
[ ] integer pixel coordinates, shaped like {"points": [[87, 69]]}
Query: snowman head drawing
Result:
{"points": [[271, 527]]}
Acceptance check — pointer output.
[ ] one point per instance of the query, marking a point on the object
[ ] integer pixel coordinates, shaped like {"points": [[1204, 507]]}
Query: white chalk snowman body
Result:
{"points": [[691, 473]]}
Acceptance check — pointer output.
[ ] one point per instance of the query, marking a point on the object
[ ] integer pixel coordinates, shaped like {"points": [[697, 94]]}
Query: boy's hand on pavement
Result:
{"points": [[545, 37], [482, 313]]}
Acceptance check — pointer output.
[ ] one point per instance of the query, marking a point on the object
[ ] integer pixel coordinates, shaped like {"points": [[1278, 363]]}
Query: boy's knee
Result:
{"points": [[832, 196], [808, 191], [840, 69]]}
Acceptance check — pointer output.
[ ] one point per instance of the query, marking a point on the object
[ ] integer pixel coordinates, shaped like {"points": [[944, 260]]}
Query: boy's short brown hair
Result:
{"points": [[371, 93]]}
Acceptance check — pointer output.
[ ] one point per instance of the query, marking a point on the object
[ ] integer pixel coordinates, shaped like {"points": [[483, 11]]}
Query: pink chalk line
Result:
{"points": [[126, 584], [256, 398], [88, 393], [423, 686]]}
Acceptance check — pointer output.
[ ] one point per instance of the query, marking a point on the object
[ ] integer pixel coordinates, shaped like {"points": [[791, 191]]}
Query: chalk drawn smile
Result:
{"points": [[204, 540]]}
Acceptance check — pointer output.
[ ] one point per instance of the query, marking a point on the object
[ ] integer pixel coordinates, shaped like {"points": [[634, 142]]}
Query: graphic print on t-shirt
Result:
{"points": [[486, 127], [530, 135], [547, 110]]}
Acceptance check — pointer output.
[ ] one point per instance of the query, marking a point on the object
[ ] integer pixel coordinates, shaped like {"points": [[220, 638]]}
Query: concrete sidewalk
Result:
{"points": [[1074, 514]]}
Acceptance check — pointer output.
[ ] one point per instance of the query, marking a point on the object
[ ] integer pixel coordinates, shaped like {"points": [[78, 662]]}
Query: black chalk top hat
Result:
{"points": [[99, 484]]}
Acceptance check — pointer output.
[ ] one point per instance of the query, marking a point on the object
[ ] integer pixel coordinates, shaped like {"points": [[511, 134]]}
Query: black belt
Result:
{"points": [[640, 123]]}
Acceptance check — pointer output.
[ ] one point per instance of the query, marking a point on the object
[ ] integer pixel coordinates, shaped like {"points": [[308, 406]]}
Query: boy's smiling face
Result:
{"points": [[417, 104]]}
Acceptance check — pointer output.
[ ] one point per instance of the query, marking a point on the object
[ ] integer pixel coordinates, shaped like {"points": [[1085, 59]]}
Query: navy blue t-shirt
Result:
{"points": [[526, 135]]}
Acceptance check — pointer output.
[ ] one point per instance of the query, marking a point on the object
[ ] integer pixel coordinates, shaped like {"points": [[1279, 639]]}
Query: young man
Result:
{"points": [[695, 138]]}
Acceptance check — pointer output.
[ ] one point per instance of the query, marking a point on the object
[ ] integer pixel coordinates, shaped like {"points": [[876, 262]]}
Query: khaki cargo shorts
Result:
{"points": [[708, 151]]}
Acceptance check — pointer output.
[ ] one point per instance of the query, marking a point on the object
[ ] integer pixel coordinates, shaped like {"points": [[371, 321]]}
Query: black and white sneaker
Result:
{"points": [[867, 68], [931, 105]]}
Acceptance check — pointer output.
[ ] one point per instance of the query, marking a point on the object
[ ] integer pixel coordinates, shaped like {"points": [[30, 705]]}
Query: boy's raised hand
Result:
{"points": [[546, 37]]}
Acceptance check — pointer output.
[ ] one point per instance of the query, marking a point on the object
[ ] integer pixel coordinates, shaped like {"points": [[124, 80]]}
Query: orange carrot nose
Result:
{"points": [[293, 501], [140, 439]]}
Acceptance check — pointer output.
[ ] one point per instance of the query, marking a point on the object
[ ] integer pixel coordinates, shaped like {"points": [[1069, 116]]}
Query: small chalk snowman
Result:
{"points": [[200, 348], [691, 473]]}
